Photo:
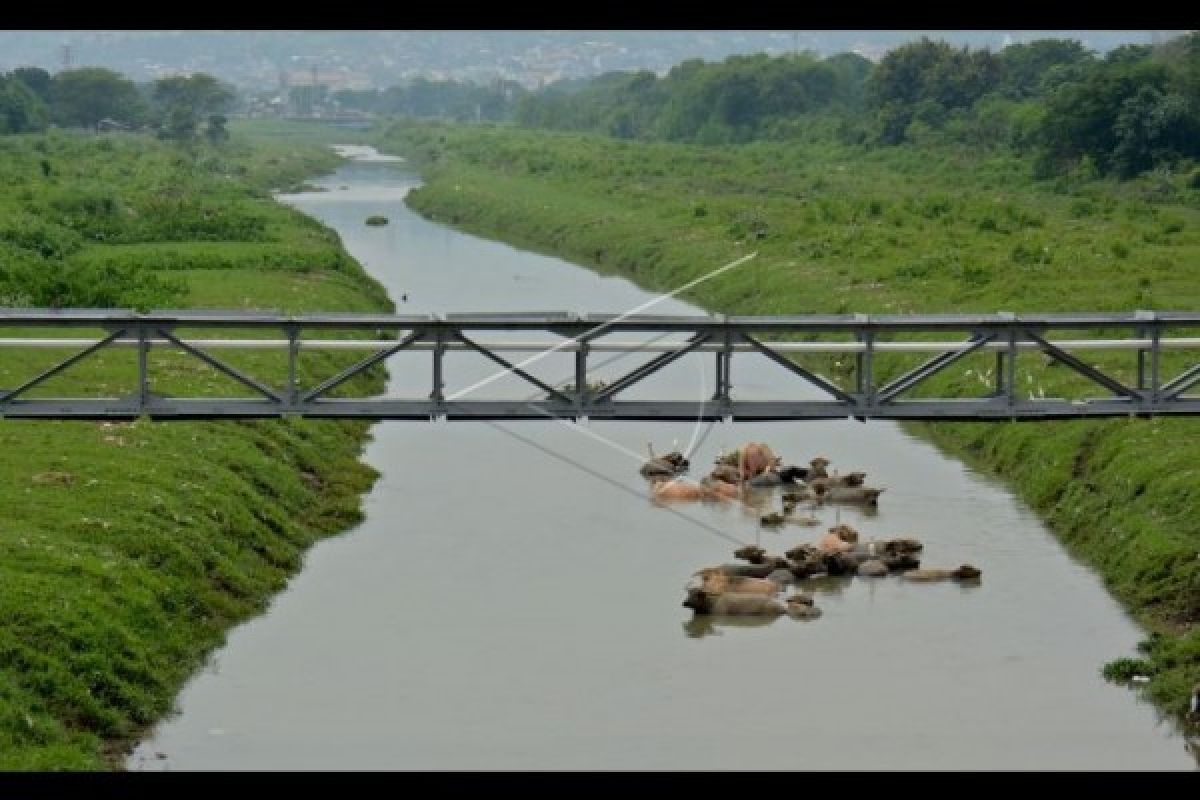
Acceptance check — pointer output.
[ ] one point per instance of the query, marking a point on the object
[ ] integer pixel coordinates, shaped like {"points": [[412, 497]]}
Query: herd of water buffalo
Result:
{"points": [[753, 587]]}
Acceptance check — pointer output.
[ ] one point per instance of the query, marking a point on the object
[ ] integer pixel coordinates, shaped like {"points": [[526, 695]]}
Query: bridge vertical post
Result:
{"points": [[439, 350], [724, 358], [999, 373], [1155, 351], [858, 367], [1141, 360], [582, 394], [1010, 366], [143, 368], [1150, 390], [868, 372], [293, 391]]}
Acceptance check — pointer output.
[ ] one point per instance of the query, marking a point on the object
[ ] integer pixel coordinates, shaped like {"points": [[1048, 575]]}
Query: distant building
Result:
{"points": [[108, 124]]}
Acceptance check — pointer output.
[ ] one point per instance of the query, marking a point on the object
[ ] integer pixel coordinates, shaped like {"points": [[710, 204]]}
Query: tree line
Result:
{"points": [[1134, 109], [176, 107]]}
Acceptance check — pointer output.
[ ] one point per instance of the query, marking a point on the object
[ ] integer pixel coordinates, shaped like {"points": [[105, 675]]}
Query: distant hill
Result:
{"points": [[362, 59]]}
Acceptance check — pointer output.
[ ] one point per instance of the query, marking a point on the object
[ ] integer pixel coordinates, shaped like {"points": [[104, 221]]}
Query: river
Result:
{"points": [[513, 600]]}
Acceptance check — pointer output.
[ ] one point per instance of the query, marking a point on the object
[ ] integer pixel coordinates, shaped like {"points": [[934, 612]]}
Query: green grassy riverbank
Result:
{"points": [[905, 229], [127, 550]]}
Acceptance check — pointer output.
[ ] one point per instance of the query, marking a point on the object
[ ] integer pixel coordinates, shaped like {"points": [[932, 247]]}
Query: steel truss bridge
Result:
{"points": [[862, 337]]}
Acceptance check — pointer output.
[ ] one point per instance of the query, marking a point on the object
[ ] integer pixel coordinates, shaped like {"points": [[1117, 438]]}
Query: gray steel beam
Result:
{"points": [[1113, 385], [930, 368], [721, 335], [215, 363], [57, 368], [360, 367], [792, 366], [550, 390], [649, 368], [984, 409]]}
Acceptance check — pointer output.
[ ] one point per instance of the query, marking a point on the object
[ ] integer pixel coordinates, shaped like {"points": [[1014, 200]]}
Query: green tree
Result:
{"points": [[37, 79], [1025, 66], [86, 96], [20, 109], [181, 102]]}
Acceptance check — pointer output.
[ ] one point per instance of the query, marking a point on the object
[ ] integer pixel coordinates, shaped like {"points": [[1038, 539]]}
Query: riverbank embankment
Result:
{"points": [[128, 550]]}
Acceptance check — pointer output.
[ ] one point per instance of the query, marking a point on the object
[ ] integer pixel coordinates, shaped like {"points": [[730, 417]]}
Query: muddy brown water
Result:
{"points": [[512, 599]]}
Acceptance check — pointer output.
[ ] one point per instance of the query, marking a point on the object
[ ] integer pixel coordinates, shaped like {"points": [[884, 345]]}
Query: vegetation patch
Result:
{"points": [[127, 550]]}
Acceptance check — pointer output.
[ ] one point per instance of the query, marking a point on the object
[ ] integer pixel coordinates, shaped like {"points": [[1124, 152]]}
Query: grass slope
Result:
{"points": [[128, 550]]}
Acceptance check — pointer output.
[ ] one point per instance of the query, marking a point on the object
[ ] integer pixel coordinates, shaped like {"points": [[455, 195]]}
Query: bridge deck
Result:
{"points": [[1003, 334]]}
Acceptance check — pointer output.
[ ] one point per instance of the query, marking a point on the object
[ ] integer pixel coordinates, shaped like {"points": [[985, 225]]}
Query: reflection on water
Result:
{"points": [[512, 599], [701, 625]]}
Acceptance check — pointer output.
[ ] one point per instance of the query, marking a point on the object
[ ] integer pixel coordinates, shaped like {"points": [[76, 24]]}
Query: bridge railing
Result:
{"points": [[862, 392]]}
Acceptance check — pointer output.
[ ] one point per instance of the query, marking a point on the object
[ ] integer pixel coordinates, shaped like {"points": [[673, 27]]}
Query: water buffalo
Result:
{"points": [[900, 562], [728, 473], [781, 576], [849, 480], [792, 475], [873, 568], [665, 490], [733, 603], [857, 494], [801, 552], [749, 570], [817, 468], [840, 539], [751, 552], [964, 573], [765, 480], [800, 606], [668, 466], [712, 580], [721, 488]]}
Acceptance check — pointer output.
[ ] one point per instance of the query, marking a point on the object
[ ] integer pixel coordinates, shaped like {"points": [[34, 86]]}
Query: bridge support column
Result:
{"points": [[143, 369], [439, 383], [724, 359], [293, 391], [582, 394]]}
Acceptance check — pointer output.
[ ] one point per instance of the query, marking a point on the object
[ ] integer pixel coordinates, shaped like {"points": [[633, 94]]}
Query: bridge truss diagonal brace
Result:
{"points": [[361, 366], [222, 367], [792, 366], [649, 368], [1113, 385], [931, 367], [62, 365], [478, 348], [1180, 384]]}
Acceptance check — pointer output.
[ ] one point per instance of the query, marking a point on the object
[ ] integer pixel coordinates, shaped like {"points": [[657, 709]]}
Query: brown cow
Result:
{"points": [[964, 573], [857, 494], [849, 480], [817, 468], [721, 489], [713, 580], [756, 458], [729, 473], [733, 603], [751, 552], [840, 539], [682, 491]]}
